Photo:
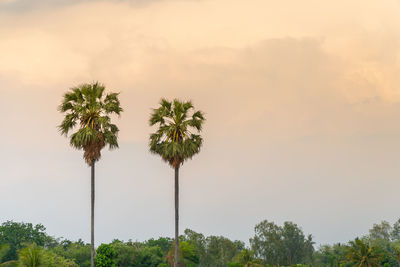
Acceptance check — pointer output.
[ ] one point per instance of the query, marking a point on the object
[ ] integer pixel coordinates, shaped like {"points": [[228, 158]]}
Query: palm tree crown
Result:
{"points": [[86, 105], [362, 254], [31, 256], [173, 140]]}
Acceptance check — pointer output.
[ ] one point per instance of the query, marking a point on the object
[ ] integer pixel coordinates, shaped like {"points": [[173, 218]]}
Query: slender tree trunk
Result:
{"points": [[176, 215], [92, 218]]}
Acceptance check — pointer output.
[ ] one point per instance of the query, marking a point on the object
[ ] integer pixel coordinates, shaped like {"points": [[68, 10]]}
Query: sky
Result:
{"points": [[302, 100]]}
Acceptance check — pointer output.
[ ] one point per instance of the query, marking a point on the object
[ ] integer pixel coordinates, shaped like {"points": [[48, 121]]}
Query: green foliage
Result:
{"points": [[31, 256], [15, 235], [174, 140], [88, 111], [213, 250], [362, 254], [150, 256], [3, 252], [335, 255], [380, 237], [9, 264], [220, 250], [140, 254], [51, 259], [126, 253], [164, 243], [395, 234], [246, 258], [78, 251], [199, 242], [105, 255], [198, 250], [277, 245], [395, 251], [381, 231], [188, 255]]}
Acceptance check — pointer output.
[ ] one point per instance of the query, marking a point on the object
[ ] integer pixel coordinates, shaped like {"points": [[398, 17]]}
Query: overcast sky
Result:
{"points": [[302, 100]]}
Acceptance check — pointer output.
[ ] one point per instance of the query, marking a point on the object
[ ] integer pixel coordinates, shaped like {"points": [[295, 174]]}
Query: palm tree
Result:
{"points": [[88, 111], [246, 258], [31, 256], [362, 254], [175, 142]]}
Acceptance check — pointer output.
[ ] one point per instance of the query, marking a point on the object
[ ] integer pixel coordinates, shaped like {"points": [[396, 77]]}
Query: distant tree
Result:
{"points": [[89, 110], [199, 241], [51, 259], [220, 251], [293, 242], [140, 254], [188, 256], [150, 256], [381, 231], [380, 237], [213, 251], [277, 245], [125, 254], [362, 254], [164, 243], [105, 256], [266, 243], [395, 234], [309, 249], [175, 142], [78, 251], [16, 234], [246, 258], [333, 256]]}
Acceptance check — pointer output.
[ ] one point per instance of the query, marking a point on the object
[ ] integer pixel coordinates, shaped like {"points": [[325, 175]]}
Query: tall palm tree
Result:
{"points": [[88, 112], [362, 254], [175, 142]]}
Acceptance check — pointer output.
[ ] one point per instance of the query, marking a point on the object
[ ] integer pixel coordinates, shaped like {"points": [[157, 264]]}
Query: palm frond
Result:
{"points": [[86, 111], [173, 140]]}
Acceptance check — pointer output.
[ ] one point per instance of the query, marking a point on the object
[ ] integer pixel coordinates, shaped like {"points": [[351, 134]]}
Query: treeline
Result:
{"points": [[25, 244]]}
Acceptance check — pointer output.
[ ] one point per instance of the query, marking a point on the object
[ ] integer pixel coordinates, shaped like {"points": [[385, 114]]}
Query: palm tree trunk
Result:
{"points": [[92, 218], [176, 215]]}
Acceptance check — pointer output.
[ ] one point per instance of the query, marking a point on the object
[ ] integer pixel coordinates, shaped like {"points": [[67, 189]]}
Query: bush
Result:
{"points": [[51, 259], [105, 255]]}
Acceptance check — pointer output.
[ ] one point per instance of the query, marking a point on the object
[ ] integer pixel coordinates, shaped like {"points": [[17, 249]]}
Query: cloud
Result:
{"points": [[294, 85], [28, 6], [7, 1]]}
